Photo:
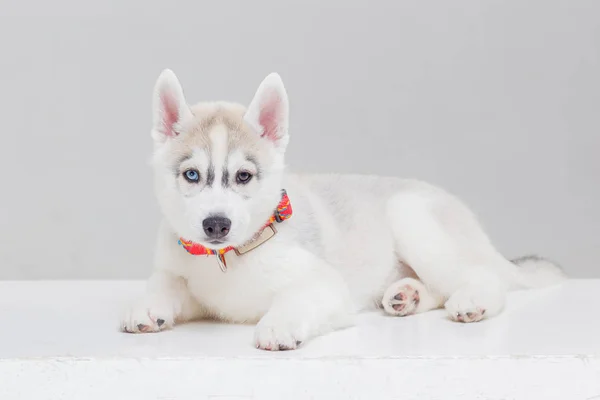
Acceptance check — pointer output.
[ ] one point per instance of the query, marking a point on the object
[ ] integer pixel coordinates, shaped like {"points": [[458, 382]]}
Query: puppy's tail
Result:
{"points": [[536, 272]]}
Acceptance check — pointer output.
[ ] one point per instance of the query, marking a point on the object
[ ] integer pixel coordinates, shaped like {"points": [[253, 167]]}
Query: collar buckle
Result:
{"points": [[262, 237]]}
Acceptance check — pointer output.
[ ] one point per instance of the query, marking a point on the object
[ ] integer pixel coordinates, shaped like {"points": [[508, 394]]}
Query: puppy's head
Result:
{"points": [[218, 166]]}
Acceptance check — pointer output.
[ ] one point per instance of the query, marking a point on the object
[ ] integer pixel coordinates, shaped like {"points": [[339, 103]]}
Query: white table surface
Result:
{"points": [[63, 335]]}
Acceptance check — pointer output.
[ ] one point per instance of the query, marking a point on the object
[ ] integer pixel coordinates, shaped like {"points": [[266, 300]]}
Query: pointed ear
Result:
{"points": [[268, 112], [169, 107]]}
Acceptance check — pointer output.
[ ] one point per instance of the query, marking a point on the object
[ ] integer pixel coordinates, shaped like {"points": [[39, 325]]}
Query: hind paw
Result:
{"points": [[468, 316], [401, 299], [467, 307]]}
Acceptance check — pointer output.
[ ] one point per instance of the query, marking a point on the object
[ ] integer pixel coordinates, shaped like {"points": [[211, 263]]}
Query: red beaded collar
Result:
{"points": [[282, 212]]}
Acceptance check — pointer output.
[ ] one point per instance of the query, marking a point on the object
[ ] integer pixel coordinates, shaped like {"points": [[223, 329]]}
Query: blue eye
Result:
{"points": [[191, 175]]}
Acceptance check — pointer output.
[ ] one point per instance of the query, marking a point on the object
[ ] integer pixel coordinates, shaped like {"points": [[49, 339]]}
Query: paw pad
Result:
{"points": [[470, 316], [405, 301]]}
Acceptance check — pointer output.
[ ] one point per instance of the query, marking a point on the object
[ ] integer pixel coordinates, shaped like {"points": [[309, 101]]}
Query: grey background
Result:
{"points": [[497, 101]]}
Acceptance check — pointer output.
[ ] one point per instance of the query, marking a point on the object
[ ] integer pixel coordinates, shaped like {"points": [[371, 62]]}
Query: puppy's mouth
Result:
{"points": [[213, 243]]}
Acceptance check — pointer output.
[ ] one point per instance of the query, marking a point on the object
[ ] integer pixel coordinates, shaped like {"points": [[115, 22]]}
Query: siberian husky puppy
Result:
{"points": [[243, 241]]}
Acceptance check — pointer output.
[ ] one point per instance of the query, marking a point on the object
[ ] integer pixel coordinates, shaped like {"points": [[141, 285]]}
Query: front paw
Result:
{"points": [[278, 332], [147, 316]]}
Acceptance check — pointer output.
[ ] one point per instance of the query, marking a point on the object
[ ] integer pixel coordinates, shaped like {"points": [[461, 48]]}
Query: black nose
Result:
{"points": [[216, 227]]}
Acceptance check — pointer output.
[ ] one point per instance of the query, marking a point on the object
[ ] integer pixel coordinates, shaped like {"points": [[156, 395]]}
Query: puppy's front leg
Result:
{"points": [[165, 300], [316, 301]]}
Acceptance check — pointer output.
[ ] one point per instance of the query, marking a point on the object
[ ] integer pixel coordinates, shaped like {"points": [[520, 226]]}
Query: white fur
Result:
{"points": [[354, 243]]}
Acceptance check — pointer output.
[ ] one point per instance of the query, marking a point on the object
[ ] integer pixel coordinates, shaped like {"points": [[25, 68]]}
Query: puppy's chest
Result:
{"points": [[241, 294]]}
